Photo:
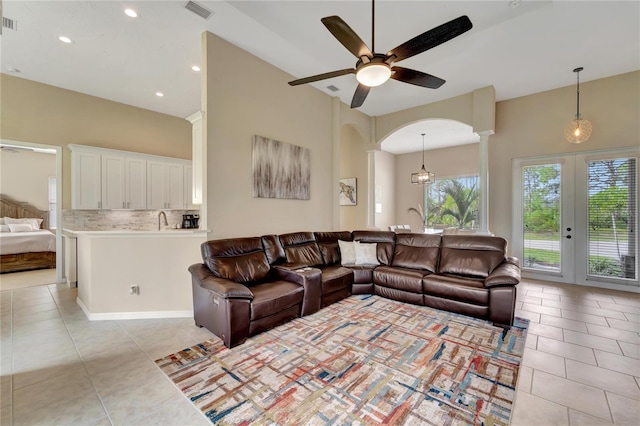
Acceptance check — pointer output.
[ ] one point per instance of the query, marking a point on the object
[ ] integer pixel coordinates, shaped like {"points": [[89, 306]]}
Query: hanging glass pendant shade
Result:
{"points": [[423, 177], [578, 130]]}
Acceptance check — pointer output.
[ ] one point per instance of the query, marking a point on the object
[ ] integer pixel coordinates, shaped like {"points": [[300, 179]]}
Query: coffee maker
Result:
{"points": [[190, 221]]}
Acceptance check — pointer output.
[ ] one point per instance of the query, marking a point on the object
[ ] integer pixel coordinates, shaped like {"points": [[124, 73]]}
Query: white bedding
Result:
{"points": [[25, 242]]}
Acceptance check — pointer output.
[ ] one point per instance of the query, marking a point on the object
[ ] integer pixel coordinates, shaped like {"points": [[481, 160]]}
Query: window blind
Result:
{"points": [[612, 216]]}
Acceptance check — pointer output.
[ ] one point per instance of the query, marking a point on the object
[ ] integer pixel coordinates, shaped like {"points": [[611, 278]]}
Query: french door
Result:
{"points": [[576, 216]]}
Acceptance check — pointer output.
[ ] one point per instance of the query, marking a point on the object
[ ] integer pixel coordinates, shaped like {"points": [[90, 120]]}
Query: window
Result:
{"points": [[52, 203], [452, 202], [612, 215]]}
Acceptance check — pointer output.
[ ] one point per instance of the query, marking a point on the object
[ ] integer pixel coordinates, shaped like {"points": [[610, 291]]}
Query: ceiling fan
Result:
{"points": [[372, 69]]}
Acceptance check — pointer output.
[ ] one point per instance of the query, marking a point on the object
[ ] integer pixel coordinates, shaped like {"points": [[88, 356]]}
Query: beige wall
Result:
{"points": [[385, 189], [39, 113], [244, 96], [445, 162], [353, 163], [24, 176], [534, 125]]}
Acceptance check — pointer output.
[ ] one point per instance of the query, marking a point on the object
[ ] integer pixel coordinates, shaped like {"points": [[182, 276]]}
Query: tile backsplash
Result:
{"points": [[110, 220]]}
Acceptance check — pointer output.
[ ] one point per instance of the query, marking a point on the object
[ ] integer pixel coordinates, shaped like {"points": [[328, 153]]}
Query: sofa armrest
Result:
{"points": [[505, 274], [223, 288], [513, 260], [310, 279]]}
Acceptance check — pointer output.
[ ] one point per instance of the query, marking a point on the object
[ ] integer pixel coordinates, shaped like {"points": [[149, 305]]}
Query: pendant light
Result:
{"points": [[578, 130], [423, 177]]}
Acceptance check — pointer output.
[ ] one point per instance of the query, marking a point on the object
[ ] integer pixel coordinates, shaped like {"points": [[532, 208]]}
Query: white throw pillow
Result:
{"points": [[347, 252], [366, 254], [2, 221], [20, 227], [5, 228], [34, 222]]}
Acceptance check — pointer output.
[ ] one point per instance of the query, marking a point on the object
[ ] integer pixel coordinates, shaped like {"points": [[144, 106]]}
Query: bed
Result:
{"points": [[28, 250]]}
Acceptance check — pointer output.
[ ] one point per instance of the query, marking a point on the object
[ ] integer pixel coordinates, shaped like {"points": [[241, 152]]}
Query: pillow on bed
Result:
{"points": [[34, 222], [20, 227], [5, 228]]}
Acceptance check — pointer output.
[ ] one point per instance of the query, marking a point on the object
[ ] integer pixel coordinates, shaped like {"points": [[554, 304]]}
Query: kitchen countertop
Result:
{"points": [[169, 232]]}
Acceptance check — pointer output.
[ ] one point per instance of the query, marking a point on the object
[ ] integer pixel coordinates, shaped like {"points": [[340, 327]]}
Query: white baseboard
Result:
{"points": [[102, 316]]}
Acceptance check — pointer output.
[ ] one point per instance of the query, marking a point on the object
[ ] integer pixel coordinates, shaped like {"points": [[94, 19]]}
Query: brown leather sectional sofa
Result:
{"points": [[248, 285]]}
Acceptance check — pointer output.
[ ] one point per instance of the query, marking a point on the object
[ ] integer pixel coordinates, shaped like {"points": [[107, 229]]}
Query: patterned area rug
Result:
{"points": [[364, 360]]}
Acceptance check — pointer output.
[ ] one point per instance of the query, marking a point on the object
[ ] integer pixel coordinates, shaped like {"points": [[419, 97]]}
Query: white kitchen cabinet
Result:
{"points": [[124, 182], [86, 180], [113, 182], [111, 179], [136, 183], [198, 159], [165, 185], [189, 189]]}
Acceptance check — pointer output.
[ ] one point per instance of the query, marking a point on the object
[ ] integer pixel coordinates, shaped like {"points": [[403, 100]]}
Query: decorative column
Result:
{"points": [[371, 189], [335, 172], [371, 175], [483, 208]]}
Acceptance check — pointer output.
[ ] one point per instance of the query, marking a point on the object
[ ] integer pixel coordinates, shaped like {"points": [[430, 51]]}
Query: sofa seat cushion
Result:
{"points": [[275, 296], [336, 278], [362, 274], [399, 278], [456, 288]]}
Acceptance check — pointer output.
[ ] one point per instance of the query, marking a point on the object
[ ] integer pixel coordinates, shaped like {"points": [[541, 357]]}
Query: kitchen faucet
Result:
{"points": [[165, 219]]}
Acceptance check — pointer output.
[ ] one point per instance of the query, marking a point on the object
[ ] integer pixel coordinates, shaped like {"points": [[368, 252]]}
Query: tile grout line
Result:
{"points": [[95, 389]]}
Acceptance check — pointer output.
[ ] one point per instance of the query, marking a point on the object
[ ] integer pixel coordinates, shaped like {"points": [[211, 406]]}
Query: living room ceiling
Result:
{"points": [[518, 46]]}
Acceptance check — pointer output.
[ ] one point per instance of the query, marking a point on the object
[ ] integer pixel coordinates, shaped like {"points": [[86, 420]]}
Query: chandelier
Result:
{"points": [[423, 177]]}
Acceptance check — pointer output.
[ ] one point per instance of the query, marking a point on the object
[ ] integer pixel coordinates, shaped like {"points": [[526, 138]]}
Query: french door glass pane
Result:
{"points": [[541, 217], [612, 218]]}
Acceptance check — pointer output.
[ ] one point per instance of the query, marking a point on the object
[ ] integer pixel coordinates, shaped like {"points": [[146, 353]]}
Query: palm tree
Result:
{"points": [[460, 202]]}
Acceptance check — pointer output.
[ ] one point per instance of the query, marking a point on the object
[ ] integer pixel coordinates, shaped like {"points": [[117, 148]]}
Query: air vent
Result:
{"points": [[198, 9], [9, 24], [333, 88]]}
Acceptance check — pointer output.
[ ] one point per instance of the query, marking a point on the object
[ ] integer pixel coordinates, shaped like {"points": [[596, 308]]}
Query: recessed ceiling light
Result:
{"points": [[195, 68], [14, 70], [65, 39], [514, 4], [131, 13], [159, 94]]}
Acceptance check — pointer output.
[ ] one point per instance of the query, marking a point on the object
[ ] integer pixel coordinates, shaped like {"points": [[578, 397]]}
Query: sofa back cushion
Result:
{"points": [[471, 255], [301, 248], [328, 245], [273, 249], [417, 251], [384, 239], [238, 259]]}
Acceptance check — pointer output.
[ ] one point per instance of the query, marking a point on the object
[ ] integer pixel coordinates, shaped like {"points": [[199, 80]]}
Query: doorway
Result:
{"points": [[576, 216], [57, 151]]}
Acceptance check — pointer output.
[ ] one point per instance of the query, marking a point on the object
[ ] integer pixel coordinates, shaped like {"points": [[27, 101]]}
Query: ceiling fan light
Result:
{"points": [[373, 74]]}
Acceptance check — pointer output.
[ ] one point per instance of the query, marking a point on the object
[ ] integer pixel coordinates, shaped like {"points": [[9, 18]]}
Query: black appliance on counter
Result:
{"points": [[190, 221]]}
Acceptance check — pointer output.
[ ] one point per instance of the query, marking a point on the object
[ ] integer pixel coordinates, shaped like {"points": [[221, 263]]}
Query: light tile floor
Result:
{"points": [[581, 364]]}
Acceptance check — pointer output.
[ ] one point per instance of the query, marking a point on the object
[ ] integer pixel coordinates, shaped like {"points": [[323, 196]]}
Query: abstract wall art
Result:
{"points": [[280, 170]]}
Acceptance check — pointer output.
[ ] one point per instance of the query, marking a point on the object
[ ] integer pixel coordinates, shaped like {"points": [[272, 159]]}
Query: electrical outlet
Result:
{"points": [[134, 290]]}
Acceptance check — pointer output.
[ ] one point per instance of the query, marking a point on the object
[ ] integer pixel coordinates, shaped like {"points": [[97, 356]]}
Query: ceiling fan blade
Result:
{"points": [[322, 76], [360, 95], [346, 36], [418, 78], [431, 38]]}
